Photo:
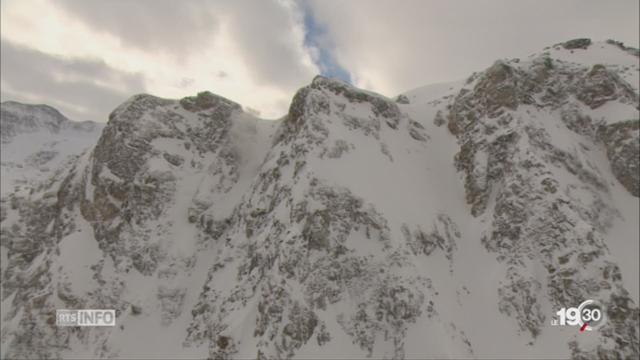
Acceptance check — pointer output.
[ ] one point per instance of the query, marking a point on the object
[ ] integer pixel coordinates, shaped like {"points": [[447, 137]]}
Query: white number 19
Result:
{"points": [[571, 316]]}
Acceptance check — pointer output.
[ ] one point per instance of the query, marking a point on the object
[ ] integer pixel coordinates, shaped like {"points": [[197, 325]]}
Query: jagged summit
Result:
{"points": [[207, 100], [579, 54], [340, 87], [326, 96], [584, 43], [135, 106]]}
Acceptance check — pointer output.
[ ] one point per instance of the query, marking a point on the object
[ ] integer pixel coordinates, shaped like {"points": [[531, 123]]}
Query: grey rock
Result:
{"points": [[582, 43]]}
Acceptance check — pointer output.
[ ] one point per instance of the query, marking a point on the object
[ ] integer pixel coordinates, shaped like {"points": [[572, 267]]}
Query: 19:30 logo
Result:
{"points": [[588, 316]]}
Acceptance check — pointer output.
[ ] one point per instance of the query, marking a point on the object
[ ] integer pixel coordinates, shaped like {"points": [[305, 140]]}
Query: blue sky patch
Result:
{"points": [[315, 37]]}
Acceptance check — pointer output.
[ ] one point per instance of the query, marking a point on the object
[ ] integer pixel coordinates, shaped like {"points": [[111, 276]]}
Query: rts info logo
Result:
{"points": [[86, 317]]}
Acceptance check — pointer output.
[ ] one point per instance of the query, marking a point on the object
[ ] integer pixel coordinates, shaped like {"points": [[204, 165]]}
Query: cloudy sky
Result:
{"points": [[85, 57]]}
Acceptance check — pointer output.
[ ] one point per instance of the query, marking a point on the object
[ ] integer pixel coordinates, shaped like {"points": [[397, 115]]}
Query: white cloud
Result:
{"points": [[81, 89], [393, 46], [253, 52], [178, 48]]}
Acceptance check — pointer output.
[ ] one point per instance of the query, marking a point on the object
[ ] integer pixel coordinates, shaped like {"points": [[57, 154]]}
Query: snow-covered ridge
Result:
{"points": [[20, 118], [356, 226]]}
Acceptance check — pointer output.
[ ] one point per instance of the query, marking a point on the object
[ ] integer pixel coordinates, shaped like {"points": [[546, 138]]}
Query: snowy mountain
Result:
{"points": [[453, 221], [36, 140]]}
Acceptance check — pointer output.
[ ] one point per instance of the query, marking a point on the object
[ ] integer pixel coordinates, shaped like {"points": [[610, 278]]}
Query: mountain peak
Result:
{"points": [[17, 118], [581, 43], [586, 43], [207, 100]]}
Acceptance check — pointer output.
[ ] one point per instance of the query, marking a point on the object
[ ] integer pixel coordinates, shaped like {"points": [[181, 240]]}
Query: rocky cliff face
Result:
{"points": [[355, 226], [545, 197]]}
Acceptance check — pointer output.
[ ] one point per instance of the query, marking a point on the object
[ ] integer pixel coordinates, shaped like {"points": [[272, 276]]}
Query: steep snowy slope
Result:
{"points": [[451, 222]]}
